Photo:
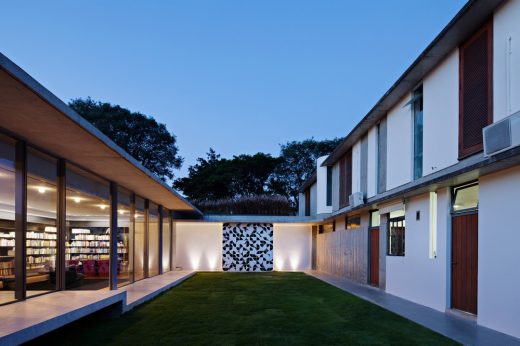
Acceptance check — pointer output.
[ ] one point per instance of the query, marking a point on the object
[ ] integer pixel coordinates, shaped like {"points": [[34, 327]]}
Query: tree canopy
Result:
{"points": [[297, 163], [213, 177], [148, 141]]}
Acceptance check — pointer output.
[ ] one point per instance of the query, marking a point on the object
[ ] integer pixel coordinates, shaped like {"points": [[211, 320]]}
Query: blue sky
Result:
{"points": [[239, 76]]}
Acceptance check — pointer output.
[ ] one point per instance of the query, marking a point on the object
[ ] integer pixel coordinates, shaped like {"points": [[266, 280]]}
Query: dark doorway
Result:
{"points": [[374, 257], [464, 262]]}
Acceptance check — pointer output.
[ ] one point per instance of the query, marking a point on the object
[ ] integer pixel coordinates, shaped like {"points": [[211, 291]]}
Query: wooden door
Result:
{"points": [[464, 262], [374, 257]]}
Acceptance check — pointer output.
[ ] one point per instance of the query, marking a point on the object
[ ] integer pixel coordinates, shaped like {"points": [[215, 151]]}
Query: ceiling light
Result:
{"points": [[122, 212], [103, 206], [76, 199], [41, 189]]}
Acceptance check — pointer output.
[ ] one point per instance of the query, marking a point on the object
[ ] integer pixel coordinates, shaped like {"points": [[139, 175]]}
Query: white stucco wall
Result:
{"points": [[321, 188], [441, 115], [416, 276], [506, 24], [399, 145], [292, 246], [356, 167], [198, 245], [301, 204], [372, 162], [498, 252]]}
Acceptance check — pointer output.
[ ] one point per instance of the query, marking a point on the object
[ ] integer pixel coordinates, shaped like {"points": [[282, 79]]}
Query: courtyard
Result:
{"points": [[272, 308]]}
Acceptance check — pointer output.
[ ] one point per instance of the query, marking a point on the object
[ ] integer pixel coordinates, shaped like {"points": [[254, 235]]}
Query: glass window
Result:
{"points": [[88, 232], [41, 233], [7, 214], [465, 198], [375, 218], [124, 237], [139, 238], [396, 233], [352, 222], [166, 241], [153, 240], [329, 185], [417, 108]]}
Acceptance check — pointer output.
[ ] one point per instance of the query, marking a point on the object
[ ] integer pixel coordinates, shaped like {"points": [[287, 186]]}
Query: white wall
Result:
{"points": [[498, 252], [292, 245], [416, 276], [356, 167], [321, 188], [372, 162], [399, 145], [506, 23], [198, 245], [441, 115]]}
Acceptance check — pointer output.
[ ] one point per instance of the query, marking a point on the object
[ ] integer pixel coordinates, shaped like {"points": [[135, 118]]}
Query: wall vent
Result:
{"points": [[502, 135], [356, 199]]}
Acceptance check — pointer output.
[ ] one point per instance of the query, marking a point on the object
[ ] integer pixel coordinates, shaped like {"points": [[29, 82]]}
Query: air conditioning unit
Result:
{"points": [[502, 135], [355, 199]]}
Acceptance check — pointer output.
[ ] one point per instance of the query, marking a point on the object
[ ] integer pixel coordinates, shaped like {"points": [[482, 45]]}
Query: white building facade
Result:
{"points": [[438, 210]]}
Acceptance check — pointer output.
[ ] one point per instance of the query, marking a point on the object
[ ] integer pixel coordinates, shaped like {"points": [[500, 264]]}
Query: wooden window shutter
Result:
{"points": [[345, 179], [342, 182], [308, 202], [475, 90]]}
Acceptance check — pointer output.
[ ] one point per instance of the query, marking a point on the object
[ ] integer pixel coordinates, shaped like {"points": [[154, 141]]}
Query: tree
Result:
{"points": [[215, 178], [146, 140], [298, 162]]}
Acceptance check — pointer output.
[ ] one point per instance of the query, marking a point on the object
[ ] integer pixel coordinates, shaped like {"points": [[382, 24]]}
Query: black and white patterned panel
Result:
{"points": [[247, 247]]}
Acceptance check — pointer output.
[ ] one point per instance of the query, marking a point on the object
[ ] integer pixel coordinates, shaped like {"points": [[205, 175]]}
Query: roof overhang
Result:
{"points": [[30, 112], [469, 19]]}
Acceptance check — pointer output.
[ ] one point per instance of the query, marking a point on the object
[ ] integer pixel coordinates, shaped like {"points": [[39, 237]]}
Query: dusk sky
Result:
{"points": [[238, 76]]}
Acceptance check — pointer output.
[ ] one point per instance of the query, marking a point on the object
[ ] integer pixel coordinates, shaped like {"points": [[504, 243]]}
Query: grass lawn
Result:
{"points": [[249, 308]]}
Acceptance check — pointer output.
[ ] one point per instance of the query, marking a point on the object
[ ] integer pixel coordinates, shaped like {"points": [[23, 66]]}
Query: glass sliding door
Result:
{"points": [[153, 240], [41, 232], [166, 241], [139, 239], [88, 232], [124, 238], [7, 215]]}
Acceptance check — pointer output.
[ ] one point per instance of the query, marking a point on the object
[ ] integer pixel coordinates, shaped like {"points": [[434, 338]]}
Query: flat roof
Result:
{"points": [[469, 19], [31, 112]]}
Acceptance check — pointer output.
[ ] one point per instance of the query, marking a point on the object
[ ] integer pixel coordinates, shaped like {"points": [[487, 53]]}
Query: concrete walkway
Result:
{"points": [[463, 330], [26, 320]]}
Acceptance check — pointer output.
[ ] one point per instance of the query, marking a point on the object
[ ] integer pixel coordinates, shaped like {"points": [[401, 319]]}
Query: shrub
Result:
{"points": [[247, 205]]}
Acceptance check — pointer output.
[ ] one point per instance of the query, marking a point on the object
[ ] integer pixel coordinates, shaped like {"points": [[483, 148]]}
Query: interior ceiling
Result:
{"points": [[27, 115]]}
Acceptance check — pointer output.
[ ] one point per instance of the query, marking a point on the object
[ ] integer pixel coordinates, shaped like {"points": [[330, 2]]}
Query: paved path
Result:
{"points": [[463, 330], [28, 319]]}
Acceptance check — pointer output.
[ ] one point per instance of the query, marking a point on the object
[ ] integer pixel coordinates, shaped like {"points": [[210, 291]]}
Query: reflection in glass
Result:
{"points": [[88, 232], [139, 237], [7, 213], [153, 240], [124, 238], [41, 233], [166, 241], [466, 198]]}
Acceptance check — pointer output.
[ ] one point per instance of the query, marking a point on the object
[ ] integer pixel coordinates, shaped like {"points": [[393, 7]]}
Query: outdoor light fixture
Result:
{"points": [[41, 189], [103, 206], [76, 199]]}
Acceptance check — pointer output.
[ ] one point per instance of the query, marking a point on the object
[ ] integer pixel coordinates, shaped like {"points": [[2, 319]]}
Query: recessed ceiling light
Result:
{"points": [[76, 199], [41, 189], [103, 206]]}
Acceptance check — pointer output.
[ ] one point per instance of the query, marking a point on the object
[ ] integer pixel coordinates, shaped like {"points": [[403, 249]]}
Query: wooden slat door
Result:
{"points": [[374, 257], [464, 262]]}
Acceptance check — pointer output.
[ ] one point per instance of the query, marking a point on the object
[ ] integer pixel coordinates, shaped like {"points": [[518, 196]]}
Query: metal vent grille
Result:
{"points": [[497, 137]]}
